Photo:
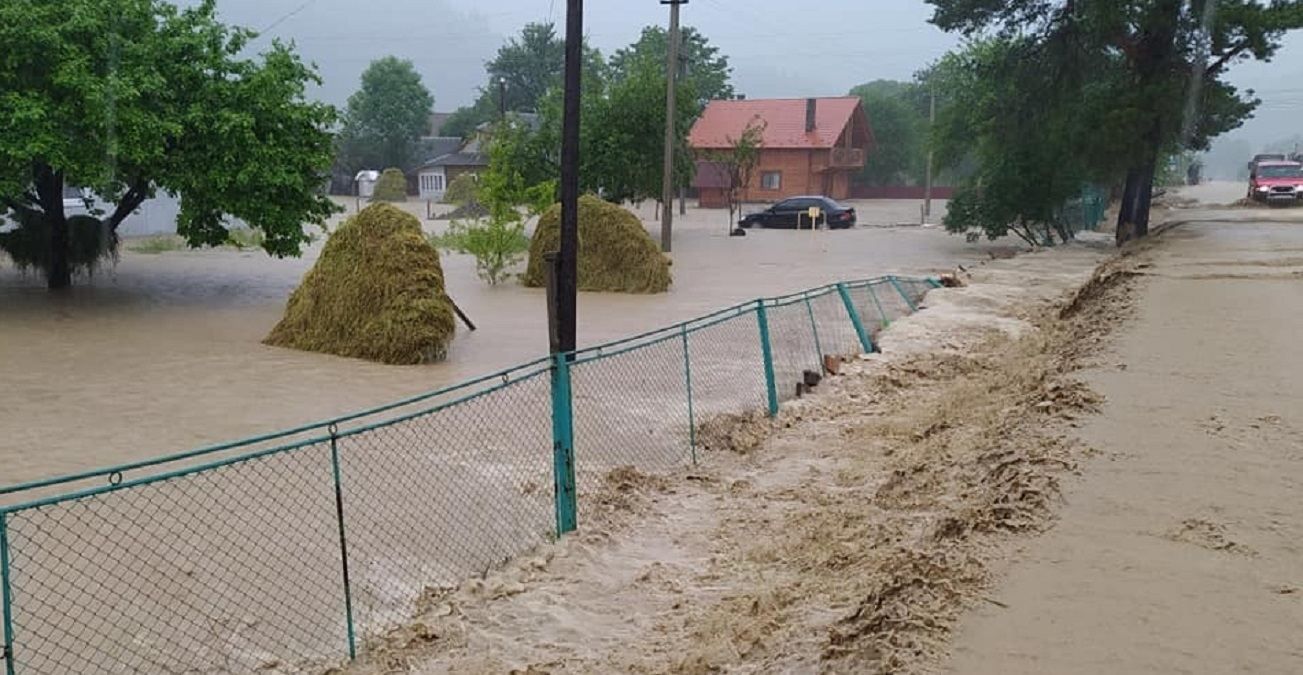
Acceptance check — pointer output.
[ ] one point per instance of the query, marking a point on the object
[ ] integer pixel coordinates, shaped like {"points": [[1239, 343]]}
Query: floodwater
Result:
{"points": [[162, 352]]}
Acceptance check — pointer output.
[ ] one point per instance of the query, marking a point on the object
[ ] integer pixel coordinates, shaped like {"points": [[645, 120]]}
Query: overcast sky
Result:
{"points": [[777, 47]]}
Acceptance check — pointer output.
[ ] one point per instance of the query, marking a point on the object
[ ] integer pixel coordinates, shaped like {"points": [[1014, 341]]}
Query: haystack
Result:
{"points": [[615, 252], [391, 187], [376, 293]]}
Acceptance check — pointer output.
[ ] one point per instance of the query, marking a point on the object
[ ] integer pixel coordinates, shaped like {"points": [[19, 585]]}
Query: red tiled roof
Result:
{"points": [[784, 119]]}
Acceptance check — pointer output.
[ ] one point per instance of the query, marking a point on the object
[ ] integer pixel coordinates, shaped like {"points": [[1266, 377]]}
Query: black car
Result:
{"points": [[795, 212]]}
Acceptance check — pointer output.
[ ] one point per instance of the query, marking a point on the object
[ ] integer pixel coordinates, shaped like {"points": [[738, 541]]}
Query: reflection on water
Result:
{"points": [[162, 352]]}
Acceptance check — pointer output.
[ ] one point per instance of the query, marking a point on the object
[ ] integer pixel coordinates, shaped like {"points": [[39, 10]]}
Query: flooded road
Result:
{"points": [[162, 352]]}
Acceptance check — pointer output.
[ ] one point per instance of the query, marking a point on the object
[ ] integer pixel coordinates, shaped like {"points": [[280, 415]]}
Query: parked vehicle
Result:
{"points": [[1266, 157], [795, 212], [1276, 182]]}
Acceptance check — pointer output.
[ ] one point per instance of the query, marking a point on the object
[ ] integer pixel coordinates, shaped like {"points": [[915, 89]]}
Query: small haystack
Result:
{"points": [[615, 252], [392, 187], [376, 293]]}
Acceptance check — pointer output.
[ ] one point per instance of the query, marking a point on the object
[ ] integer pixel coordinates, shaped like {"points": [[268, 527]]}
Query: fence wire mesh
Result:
{"points": [[300, 555]]}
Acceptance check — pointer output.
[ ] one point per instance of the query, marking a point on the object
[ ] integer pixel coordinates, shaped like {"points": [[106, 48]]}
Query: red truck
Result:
{"points": [[1276, 182]]}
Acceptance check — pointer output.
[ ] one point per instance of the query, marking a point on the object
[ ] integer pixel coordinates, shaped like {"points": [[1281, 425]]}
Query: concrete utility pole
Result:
{"points": [[667, 177], [927, 180]]}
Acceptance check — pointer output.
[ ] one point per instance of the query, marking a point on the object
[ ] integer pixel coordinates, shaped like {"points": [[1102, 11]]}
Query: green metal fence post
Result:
{"points": [[766, 351], [563, 446], [903, 294], [934, 282], [687, 378], [6, 596], [814, 328], [878, 304], [343, 543], [865, 342]]}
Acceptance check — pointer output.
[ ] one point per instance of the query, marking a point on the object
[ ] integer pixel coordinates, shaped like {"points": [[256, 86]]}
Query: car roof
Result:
{"points": [[1280, 162], [820, 197]]}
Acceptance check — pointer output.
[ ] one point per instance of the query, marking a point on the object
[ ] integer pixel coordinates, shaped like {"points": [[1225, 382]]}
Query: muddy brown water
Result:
{"points": [[162, 352]]}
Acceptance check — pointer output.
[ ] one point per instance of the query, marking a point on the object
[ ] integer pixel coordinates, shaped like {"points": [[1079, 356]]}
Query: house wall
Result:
{"points": [[431, 183]]}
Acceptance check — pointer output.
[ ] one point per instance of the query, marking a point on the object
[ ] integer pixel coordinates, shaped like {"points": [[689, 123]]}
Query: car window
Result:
{"points": [[1280, 172], [787, 205]]}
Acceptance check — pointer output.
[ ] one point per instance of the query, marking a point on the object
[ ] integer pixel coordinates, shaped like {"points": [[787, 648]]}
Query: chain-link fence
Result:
{"points": [[295, 549]]}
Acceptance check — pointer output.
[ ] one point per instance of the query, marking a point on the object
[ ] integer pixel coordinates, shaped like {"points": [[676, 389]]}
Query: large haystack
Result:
{"points": [[615, 252], [376, 293]]}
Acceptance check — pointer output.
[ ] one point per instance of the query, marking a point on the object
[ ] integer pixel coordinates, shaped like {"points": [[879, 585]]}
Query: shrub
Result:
{"points": [[156, 244], [391, 187], [244, 238], [615, 251], [463, 190], [376, 292], [496, 244]]}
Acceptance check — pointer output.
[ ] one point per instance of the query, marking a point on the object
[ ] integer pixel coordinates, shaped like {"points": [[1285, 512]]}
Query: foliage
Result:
{"points": [[701, 66], [496, 244], [1162, 91], [391, 187], [615, 252], [385, 117], [28, 244], [243, 238], [463, 190], [626, 139], [532, 64], [739, 163], [131, 97], [1007, 114], [376, 292], [898, 113]]}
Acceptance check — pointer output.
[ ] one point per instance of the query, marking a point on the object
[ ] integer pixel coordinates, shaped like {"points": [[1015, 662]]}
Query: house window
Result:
{"points": [[431, 182], [771, 180]]}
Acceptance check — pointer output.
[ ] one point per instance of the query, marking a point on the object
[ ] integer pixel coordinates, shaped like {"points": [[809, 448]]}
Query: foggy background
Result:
{"points": [[776, 48]]}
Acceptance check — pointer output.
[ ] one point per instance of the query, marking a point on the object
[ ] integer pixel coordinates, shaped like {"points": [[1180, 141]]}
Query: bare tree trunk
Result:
{"points": [[49, 190], [1127, 207]]}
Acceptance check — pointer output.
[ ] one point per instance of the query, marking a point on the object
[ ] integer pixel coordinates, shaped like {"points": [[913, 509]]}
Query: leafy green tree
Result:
{"points": [[701, 65], [498, 241], [464, 120], [132, 97], [900, 128], [1173, 55], [385, 117], [531, 64], [739, 162]]}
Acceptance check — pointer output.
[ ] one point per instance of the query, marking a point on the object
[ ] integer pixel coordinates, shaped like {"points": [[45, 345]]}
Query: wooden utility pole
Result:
{"points": [[927, 180], [567, 261], [667, 176]]}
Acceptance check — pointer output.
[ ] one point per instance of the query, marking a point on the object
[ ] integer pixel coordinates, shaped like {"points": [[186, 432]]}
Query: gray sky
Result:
{"points": [[777, 47]]}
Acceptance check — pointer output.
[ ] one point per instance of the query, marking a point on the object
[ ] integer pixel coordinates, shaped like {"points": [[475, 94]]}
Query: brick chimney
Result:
{"points": [[810, 105]]}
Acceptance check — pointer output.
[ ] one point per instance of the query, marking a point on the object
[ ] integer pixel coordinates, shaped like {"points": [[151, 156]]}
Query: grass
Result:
{"points": [[157, 244]]}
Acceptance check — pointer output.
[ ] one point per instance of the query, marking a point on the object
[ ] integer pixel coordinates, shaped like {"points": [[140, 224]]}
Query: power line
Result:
{"points": [[287, 16]]}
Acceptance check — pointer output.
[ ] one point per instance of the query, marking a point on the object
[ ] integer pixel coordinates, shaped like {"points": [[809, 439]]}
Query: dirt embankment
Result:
{"points": [[845, 536]]}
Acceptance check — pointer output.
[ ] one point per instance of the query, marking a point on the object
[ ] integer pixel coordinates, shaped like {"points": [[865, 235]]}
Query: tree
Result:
{"points": [[701, 65], [739, 163], [498, 241], [624, 139], [900, 128], [532, 64], [1173, 55], [131, 97], [386, 116]]}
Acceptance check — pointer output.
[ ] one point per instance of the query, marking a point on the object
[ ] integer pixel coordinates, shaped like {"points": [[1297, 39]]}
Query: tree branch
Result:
{"points": [[1216, 66], [134, 197]]}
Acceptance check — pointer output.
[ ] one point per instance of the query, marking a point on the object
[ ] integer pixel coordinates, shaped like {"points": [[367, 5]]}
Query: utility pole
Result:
{"points": [[502, 98], [927, 180], [667, 176], [567, 260]]}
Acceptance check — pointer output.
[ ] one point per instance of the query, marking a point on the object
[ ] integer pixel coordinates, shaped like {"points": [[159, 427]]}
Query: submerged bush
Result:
{"points": [[391, 187]]}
